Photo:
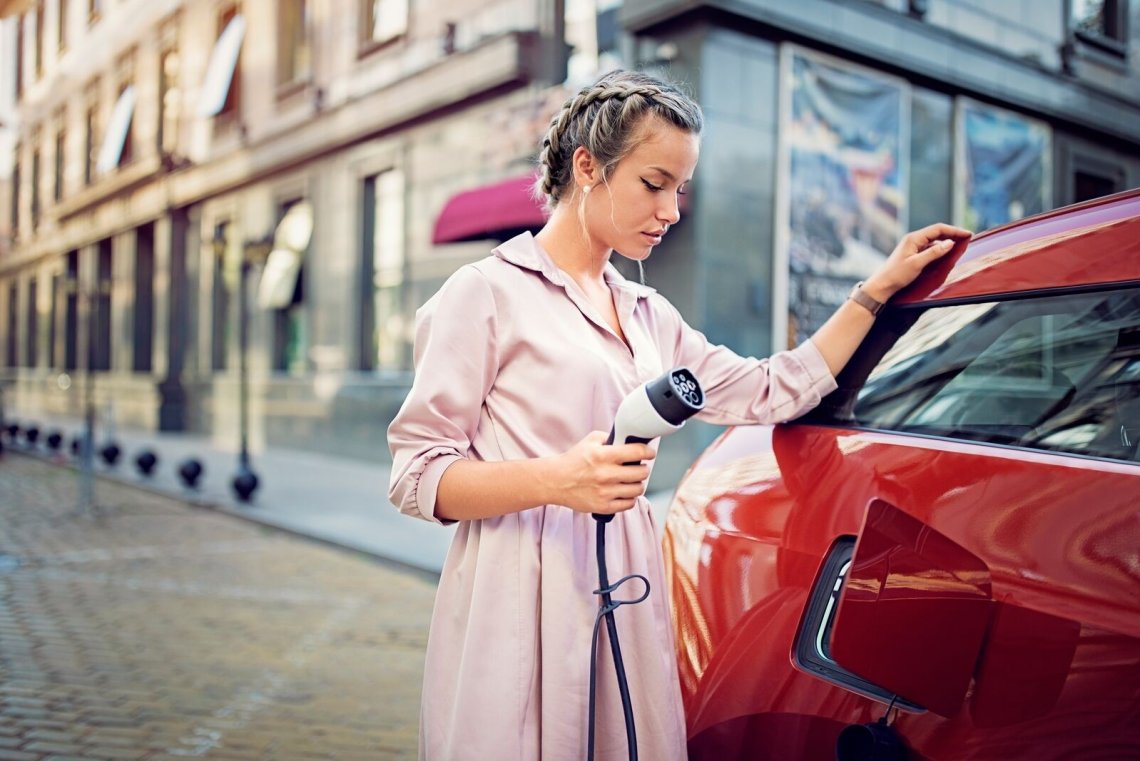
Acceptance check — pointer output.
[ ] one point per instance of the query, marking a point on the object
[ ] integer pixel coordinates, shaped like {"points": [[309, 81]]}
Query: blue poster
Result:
{"points": [[1006, 166], [845, 138]]}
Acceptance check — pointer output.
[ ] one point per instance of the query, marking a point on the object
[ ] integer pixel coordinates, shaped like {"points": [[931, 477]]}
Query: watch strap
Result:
{"points": [[865, 300]]}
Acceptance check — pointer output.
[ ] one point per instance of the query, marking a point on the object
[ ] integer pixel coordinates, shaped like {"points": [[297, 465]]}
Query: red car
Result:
{"points": [[951, 538]]}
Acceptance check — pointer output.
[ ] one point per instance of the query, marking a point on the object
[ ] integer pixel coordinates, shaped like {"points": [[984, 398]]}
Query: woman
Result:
{"points": [[521, 361]]}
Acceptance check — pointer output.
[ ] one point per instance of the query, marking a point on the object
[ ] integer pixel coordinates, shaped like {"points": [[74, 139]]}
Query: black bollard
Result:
{"points": [[110, 454], [190, 471], [146, 461]]}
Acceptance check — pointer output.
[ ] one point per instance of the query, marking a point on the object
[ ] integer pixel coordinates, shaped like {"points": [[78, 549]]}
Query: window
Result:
{"points": [[143, 332], [90, 136], [1101, 22], [39, 68], [221, 327], [71, 314], [1060, 373], [16, 179], [930, 188], [61, 25], [291, 323], [124, 104], [118, 145], [383, 20], [35, 195], [31, 335], [60, 156], [19, 56], [232, 104], [53, 322], [1089, 172], [1004, 165], [294, 50], [99, 330], [169, 101], [13, 324], [383, 336]]}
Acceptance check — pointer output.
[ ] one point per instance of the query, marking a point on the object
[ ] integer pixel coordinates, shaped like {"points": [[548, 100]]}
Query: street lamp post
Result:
{"points": [[87, 297], [245, 480]]}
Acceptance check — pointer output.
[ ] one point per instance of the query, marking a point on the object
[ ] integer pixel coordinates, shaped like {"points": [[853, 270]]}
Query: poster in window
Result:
{"points": [[1004, 166], [843, 185]]}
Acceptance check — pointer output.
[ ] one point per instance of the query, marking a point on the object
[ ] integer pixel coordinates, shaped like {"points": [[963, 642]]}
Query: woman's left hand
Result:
{"points": [[916, 250]]}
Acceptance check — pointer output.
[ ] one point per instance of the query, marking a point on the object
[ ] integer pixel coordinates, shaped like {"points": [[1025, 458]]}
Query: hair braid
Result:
{"points": [[602, 118]]}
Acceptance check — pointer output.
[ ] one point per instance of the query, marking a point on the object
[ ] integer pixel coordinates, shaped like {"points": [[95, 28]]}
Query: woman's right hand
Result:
{"points": [[590, 477]]}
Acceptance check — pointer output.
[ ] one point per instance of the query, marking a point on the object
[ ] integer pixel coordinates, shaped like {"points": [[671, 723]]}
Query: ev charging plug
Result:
{"points": [[657, 408], [654, 409]]}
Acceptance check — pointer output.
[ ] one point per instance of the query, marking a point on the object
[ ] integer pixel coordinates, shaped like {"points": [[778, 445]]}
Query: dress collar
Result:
{"points": [[524, 251]]}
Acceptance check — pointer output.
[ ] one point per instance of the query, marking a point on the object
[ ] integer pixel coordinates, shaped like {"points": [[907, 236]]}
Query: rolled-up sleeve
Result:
{"points": [[743, 390], [455, 366]]}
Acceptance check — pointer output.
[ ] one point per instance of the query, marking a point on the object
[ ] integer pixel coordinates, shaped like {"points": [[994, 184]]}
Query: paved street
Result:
{"points": [[158, 630]]}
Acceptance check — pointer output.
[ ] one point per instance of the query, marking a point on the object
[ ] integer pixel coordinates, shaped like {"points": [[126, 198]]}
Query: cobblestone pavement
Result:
{"points": [[156, 630]]}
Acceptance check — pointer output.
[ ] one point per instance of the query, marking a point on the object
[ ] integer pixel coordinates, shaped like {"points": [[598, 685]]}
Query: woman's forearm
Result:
{"points": [[470, 489], [839, 337], [590, 477]]}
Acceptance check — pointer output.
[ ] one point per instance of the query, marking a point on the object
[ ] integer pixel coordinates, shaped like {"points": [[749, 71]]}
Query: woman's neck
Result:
{"points": [[564, 239]]}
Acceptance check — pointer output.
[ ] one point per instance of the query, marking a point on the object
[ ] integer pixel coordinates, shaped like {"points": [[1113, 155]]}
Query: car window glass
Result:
{"points": [[1053, 373]]}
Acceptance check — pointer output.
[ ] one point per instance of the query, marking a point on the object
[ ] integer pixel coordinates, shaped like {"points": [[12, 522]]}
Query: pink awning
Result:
{"points": [[496, 211]]}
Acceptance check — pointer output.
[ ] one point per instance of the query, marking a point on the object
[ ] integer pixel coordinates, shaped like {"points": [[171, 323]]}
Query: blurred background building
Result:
{"points": [[335, 160]]}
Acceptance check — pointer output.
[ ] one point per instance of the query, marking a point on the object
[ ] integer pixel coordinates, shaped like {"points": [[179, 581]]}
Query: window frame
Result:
{"points": [[294, 320], [294, 37], [231, 108], [169, 114], [1117, 46], [91, 132], [59, 168], [838, 409], [61, 26], [21, 43], [17, 181], [32, 325], [35, 203], [370, 198], [367, 42], [40, 14]]}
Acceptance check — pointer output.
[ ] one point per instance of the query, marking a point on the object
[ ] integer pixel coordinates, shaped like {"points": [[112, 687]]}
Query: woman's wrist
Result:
{"points": [[878, 289]]}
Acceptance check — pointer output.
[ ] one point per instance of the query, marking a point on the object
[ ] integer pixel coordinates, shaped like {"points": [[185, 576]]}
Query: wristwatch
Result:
{"points": [[865, 300]]}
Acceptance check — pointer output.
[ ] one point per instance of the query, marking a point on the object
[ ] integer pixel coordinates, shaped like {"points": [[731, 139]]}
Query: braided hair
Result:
{"points": [[604, 118]]}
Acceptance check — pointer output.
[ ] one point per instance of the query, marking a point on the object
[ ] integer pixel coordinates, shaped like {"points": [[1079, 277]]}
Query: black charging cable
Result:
{"points": [[606, 612], [655, 409]]}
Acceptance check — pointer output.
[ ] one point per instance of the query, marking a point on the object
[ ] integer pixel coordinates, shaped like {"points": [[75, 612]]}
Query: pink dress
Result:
{"points": [[512, 362]]}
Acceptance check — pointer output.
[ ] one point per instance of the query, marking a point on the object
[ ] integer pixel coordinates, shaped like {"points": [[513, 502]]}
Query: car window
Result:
{"points": [[1054, 373]]}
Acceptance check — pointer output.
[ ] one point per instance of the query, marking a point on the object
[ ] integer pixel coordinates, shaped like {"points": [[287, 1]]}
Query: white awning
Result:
{"points": [[290, 240], [220, 70], [117, 129], [279, 279]]}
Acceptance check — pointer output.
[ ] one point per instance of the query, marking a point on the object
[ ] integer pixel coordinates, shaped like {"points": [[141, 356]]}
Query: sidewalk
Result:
{"points": [[334, 499], [151, 631]]}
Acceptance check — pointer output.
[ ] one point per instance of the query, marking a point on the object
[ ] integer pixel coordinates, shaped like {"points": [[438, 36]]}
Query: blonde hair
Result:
{"points": [[604, 118]]}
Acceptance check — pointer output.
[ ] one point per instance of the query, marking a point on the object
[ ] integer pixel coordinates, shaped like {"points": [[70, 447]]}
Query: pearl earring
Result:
{"points": [[585, 188]]}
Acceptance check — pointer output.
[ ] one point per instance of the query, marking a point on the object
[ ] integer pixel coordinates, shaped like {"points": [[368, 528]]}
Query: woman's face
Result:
{"points": [[633, 210]]}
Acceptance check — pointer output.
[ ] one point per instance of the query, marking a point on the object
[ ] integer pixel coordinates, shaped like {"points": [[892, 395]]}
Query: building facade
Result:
{"points": [[157, 145]]}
